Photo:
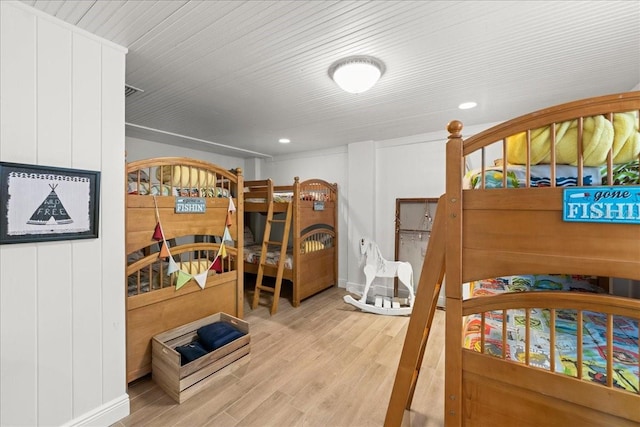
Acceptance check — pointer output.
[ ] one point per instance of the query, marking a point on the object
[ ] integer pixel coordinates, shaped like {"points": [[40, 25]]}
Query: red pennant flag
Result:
{"points": [[157, 234], [217, 265]]}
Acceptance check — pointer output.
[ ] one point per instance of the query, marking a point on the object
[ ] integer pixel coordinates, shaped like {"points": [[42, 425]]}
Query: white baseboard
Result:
{"points": [[105, 415]]}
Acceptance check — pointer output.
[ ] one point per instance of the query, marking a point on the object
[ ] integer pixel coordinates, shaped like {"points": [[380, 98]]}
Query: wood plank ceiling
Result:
{"points": [[245, 73]]}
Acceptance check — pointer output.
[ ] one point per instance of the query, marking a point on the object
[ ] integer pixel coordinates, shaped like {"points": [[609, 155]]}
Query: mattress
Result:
{"points": [[594, 367]]}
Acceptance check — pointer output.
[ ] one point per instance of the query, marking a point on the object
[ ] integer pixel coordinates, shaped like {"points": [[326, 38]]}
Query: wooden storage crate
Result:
{"points": [[182, 382]]}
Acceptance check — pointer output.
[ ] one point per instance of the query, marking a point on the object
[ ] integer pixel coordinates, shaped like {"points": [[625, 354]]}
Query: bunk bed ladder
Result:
{"points": [[419, 327], [266, 244]]}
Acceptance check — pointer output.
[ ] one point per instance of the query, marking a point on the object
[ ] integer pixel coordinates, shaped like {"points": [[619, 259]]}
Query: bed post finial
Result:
{"points": [[296, 178], [454, 127]]}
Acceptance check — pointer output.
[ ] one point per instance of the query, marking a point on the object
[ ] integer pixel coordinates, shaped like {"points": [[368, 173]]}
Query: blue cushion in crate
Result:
{"points": [[218, 334], [190, 352]]}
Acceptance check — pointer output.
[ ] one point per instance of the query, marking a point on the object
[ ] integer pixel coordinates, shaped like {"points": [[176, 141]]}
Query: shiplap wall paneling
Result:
{"points": [[53, 120], [62, 342], [18, 277], [87, 348], [112, 219]]}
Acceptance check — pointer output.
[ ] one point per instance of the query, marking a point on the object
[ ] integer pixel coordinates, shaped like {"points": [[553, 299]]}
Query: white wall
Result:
{"points": [[138, 149], [329, 165], [62, 315]]}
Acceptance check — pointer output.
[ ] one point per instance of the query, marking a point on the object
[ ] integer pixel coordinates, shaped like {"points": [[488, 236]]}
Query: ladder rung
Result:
{"points": [[271, 242], [282, 221], [266, 288]]}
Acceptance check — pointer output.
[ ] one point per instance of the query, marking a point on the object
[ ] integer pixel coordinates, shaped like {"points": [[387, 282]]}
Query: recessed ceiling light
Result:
{"points": [[284, 140], [467, 105]]}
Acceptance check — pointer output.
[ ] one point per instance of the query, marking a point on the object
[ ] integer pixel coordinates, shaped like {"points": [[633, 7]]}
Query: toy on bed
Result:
{"points": [[182, 225], [599, 135], [176, 180], [530, 162]]}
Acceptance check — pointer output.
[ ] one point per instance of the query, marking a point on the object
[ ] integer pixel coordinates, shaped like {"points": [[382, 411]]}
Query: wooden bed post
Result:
{"points": [[419, 327], [453, 323]]}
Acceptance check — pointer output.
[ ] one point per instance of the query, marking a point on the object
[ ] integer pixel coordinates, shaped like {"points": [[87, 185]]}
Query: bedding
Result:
{"points": [[599, 136], [287, 197], [594, 330], [144, 189], [186, 176], [540, 176], [252, 256], [312, 246], [277, 198]]}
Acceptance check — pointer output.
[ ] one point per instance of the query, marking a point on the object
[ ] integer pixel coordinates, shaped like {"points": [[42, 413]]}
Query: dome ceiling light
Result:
{"points": [[356, 74]]}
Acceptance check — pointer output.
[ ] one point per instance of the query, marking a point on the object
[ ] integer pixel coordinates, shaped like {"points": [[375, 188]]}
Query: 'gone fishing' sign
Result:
{"points": [[602, 204]]}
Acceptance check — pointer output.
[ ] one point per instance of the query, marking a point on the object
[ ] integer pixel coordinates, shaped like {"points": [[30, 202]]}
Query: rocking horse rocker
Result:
{"points": [[377, 266]]}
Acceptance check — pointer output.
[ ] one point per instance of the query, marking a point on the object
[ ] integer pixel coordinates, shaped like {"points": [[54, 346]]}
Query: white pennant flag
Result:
{"points": [[232, 207], [173, 266], [226, 237], [201, 278]]}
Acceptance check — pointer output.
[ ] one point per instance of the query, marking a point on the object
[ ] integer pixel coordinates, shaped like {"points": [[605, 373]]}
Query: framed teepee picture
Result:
{"points": [[44, 203]]}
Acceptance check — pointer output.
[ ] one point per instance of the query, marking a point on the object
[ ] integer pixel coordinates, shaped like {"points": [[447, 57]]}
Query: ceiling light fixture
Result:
{"points": [[467, 105], [284, 140], [356, 74]]}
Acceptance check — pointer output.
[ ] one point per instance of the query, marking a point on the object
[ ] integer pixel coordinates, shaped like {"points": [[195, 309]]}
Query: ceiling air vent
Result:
{"points": [[130, 90]]}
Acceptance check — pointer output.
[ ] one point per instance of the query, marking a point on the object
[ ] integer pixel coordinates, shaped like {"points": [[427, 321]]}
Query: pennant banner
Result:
{"points": [[226, 237], [201, 278], [232, 207], [182, 279], [164, 250], [222, 253], [216, 265], [157, 233], [173, 266]]}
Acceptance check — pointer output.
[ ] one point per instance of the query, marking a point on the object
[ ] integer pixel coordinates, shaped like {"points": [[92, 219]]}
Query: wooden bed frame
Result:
{"points": [[497, 232], [312, 271], [192, 238]]}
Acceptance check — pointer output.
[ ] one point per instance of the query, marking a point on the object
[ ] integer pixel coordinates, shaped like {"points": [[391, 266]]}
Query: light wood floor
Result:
{"points": [[322, 364]]}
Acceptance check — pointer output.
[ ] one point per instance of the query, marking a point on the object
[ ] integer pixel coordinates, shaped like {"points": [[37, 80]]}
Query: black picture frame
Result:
{"points": [[47, 203]]}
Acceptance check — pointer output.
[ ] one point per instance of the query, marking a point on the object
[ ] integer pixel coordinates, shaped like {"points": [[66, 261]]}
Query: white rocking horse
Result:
{"points": [[377, 266]]}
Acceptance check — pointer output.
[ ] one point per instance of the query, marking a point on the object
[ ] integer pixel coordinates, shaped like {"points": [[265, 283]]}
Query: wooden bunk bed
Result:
{"points": [[188, 204], [312, 264], [552, 358]]}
